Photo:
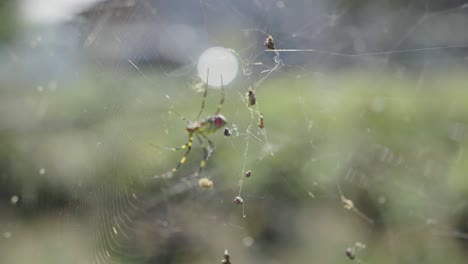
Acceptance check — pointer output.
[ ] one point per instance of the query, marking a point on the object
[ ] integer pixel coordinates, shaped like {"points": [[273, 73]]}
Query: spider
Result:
{"points": [[201, 129]]}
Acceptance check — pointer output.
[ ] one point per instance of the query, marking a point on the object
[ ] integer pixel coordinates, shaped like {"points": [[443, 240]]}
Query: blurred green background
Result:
{"points": [[81, 180]]}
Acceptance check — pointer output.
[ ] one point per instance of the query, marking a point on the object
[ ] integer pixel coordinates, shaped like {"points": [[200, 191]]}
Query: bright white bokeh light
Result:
{"points": [[53, 11], [220, 62]]}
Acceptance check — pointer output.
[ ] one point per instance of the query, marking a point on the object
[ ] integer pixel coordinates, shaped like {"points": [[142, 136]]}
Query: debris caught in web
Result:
{"points": [[351, 252], [205, 183], [347, 203], [269, 43], [226, 257], [252, 100], [261, 123], [238, 200]]}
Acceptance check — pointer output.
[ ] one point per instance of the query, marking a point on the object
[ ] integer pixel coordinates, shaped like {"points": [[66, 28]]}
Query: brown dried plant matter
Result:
{"points": [[269, 43]]}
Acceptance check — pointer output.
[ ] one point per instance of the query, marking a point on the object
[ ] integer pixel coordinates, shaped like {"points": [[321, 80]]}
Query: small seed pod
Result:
{"points": [[248, 173], [227, 132], [238, 200], [269, 43], [261, 123]]}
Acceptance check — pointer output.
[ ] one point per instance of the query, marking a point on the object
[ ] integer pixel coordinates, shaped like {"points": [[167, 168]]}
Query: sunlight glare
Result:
{"points": [[221, 62]]}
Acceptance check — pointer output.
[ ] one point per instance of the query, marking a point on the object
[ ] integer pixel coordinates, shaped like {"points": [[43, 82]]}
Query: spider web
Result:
{"points": [[327, 173]]}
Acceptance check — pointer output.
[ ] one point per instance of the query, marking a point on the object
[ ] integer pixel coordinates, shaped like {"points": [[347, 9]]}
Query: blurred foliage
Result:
{"points": [[396, 146], [10, 23]]}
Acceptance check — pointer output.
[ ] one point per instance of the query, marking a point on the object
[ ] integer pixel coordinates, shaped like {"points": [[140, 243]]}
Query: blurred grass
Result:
{"points": [[10, 22], [395, 145]]}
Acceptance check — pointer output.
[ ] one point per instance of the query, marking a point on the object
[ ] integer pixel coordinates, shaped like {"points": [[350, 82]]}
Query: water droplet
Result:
{"points": [[247, 241], [382, 200], [7, 234], [14, 199]]}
